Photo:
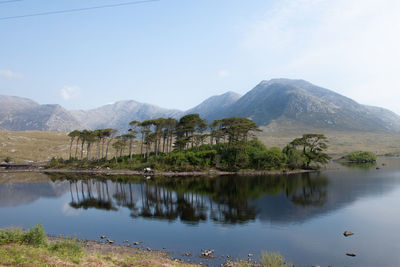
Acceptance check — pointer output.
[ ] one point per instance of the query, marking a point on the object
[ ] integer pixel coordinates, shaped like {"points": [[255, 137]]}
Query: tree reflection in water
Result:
{"points": [[192, 200]]}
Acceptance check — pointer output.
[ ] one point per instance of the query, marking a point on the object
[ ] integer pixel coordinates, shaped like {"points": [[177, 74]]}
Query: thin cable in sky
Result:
{"points": [[77, 9], [9, 1]]}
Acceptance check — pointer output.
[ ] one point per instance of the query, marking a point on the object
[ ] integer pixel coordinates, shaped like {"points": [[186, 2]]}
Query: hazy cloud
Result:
{"points": [[10, 74], [349, 46], [70, 92], [223, 73], [68, 211]]}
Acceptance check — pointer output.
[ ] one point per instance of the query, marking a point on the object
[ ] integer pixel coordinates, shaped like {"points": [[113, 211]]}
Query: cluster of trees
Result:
{"points": [[192, 143], [101, 137]]}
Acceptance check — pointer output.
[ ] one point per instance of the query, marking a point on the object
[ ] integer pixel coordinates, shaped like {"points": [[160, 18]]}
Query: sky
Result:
{"points": [[177, 53]]}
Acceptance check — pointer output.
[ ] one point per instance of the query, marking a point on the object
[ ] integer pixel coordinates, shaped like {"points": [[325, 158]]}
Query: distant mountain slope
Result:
{"points": [[119, 114], [282, 101], [21, 114], [303, 102], [213, 107]]}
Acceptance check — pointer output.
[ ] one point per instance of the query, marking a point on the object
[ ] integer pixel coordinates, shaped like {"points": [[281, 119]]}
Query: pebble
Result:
{"points": [[136, 243], [348, 233], [148, 249], [207, 252]]}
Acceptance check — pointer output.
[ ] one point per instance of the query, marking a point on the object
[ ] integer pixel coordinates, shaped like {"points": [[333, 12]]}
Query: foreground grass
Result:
{"points": [[32, 248]]}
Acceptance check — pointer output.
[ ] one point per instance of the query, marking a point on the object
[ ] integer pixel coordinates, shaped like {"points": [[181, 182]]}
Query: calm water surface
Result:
{"points": [[301, 216]]}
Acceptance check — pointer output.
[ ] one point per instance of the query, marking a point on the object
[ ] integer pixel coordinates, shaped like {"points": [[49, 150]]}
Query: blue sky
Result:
{"points": [[176, 53]]}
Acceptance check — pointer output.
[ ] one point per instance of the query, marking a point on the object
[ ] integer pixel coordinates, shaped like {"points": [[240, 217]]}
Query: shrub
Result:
{"points": [[273, 259], [35, 236], [360, 157], [10, 236], [68, 248]]}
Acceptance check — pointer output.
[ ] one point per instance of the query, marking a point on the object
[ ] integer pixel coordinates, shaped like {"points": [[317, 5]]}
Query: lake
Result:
{"points": [[303, 216]]}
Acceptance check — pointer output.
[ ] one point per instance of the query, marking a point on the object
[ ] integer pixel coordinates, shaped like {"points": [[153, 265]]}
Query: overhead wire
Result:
{"points": [[75, 9], [9, 1]]}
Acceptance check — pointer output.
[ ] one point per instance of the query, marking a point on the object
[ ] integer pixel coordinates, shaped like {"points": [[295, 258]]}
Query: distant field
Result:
{"points": [[37, 146], [42, 146], [340, 142], [33, 145]]}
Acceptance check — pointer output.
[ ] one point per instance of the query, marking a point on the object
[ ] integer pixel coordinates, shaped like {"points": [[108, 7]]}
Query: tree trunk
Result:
{"points": [[83, 143], [130, 149], [70, 148], [76, 148]]}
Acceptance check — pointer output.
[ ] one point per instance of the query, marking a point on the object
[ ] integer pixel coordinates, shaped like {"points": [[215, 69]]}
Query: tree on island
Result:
{"points": [[168, 144], [74, 134], [313, 147]]}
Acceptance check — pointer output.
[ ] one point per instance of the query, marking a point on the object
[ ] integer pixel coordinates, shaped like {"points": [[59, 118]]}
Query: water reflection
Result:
{"points": [[227, 200]]}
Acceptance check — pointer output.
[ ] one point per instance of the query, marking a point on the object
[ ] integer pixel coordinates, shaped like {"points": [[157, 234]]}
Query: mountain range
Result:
{"points": [[278, 100]]}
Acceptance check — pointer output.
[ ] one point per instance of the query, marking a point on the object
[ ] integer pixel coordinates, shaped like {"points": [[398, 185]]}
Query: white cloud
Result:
{"points": [[10, 74], [223, 73], [349, 46], [68, 211], [70, 92]]}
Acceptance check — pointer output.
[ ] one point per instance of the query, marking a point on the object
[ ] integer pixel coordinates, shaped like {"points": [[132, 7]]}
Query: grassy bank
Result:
{"points": [[34, 248]]}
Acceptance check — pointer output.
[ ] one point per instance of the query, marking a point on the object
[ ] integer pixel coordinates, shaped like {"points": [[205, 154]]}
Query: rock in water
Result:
{"points": [[348, 233], [351, 254], [207, 253]]}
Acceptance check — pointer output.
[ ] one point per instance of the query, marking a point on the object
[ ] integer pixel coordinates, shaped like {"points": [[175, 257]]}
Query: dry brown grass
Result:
{"points": [[38, 146], [33, 145], [340, 142]]}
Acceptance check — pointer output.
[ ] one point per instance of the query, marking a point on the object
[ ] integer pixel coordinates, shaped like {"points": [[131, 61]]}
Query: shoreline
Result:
{"points": [[161, 258], [153, 173]]}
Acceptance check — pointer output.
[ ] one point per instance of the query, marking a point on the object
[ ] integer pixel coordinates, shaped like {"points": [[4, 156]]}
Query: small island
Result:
{"points": [[359, 157], [190, 145]]}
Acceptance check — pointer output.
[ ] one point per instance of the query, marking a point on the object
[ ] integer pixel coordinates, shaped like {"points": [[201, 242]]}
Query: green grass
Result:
{"points": [[268, 259], [273, 259], [32, 248], [68, 249], [35, 236]]}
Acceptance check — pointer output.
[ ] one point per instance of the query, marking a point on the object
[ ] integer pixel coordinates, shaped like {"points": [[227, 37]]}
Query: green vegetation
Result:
{"points": [[35, 236], [32, 248], [272, 259], [190, 144], [360, 157]]}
